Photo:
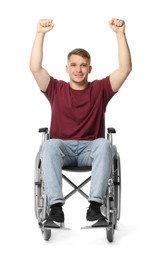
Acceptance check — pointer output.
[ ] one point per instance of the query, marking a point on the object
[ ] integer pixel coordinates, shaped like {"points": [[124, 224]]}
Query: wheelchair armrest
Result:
{"points": [[43, 130], [45, 134], [111, 130]]}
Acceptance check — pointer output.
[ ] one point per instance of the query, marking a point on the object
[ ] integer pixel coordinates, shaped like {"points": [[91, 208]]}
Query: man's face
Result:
{"points": [[78, 69]]}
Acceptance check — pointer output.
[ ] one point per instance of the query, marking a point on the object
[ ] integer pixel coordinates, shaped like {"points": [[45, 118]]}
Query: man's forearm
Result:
{"points": [[37, 53], [124, 56]]}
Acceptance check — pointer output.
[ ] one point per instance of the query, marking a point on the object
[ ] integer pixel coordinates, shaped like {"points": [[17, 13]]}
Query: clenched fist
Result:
{"points": [[117, 25], [45, 25]]}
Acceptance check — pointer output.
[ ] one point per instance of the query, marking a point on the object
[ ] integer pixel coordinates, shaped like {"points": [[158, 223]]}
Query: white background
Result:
{"points": [[134, 112]]}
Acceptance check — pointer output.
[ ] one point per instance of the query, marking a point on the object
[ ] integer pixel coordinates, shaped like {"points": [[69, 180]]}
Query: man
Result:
{"points": [[77, 127]]}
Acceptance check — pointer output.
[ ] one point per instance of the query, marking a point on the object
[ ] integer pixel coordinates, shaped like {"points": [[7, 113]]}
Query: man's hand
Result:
{"points": [[117, 25], [45, 25]]}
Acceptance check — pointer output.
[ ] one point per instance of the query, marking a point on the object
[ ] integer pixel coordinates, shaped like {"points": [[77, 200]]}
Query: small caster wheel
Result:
{"points": [[46, 234], [110, 234]]}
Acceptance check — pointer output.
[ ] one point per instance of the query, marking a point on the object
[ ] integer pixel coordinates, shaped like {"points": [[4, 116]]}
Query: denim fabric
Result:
{"points": [[57, 153]]}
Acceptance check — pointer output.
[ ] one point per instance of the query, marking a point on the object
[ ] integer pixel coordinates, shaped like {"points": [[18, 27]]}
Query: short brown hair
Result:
{"points": [[81, 52]]}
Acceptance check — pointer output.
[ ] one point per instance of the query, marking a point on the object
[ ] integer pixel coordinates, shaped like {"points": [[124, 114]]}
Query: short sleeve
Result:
{"points": [[51, 89], [107, 90]]}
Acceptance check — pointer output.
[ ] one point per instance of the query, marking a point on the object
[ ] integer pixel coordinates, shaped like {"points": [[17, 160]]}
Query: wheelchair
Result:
{"points": [[112, 200]]}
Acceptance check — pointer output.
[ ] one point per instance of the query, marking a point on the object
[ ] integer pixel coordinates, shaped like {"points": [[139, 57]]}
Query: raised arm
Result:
{"points": [[118, 76], [40, 74]]}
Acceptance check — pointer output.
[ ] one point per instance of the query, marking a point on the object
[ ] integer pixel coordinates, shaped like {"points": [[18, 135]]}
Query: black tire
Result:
{"points": [[46, 234], [117, 189], [115, 219], [110, 234], [111, 218], [37, 186]]}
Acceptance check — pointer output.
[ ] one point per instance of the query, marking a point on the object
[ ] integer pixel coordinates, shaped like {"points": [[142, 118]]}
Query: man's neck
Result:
{"points": [[78, 86]]}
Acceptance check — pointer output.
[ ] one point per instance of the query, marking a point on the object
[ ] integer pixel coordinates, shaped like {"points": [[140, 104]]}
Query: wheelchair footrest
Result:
{"points": [[51, 225], [100, 223]]}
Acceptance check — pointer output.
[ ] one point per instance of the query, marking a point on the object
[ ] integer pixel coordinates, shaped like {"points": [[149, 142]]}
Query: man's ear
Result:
{"points": [[90, 69], [67, 68]]}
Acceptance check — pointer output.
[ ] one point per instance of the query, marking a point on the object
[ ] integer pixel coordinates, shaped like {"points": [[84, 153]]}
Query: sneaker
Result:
{"points": [[94, 213], [56, 215]]}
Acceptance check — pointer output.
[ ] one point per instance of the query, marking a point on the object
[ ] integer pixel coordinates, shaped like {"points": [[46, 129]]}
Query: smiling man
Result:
{"points": [[77, 129], [78, 68]]}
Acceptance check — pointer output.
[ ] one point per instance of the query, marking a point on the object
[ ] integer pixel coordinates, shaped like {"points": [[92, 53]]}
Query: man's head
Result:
{"points": [[78, 67], [80, 52]]}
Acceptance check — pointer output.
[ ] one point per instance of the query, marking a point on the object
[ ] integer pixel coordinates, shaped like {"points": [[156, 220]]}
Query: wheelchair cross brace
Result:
{"points": [[76, 188]]}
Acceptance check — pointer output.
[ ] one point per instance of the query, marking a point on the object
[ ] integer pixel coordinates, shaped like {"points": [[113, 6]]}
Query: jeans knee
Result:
{"points": [[107, 145], [102, 146], [51, 147]]}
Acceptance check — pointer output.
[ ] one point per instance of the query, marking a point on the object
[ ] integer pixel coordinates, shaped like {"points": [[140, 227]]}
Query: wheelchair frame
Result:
{"points": [[112, 201]]}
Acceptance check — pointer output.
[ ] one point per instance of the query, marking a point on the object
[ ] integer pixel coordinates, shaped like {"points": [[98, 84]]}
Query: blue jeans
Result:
{"points": [[56, 153]]}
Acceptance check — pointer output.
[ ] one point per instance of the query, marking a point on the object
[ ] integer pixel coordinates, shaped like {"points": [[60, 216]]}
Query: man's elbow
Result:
{"points": [[31, 67], [127, 70], [34, 69]]}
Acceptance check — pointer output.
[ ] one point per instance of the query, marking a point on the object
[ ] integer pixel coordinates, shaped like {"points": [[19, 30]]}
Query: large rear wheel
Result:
{"points": [[117, 186]]}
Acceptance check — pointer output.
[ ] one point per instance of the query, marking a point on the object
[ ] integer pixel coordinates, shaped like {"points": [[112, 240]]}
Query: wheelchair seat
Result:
{"points": [[77, 169]]}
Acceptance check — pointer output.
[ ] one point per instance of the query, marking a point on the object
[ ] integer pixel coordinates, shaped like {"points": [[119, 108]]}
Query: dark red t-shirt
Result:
{"points": [[78, 114]]}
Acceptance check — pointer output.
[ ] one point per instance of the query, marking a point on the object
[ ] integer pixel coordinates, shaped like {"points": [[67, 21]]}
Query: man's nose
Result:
{"points": [[79, 69]]}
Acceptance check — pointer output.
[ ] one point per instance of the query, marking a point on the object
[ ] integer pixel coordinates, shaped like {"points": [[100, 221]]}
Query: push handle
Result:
{"points": [[45, 134], [43, 130], [111, 130]]}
